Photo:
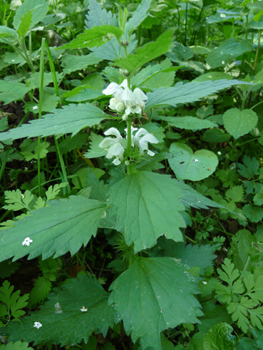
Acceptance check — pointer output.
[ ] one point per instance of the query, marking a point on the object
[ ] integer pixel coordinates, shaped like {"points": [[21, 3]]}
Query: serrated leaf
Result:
{"points": [[192, 256], [235, 194], [191, 166], [220, 337], [16, 346], [92, 37], [146, 53], [61, 317], [154, 294], [72, 63], [39, 292], [95, 151], [97, 16], [189, 92], [189, 123], [238, 123], [53, 191], [12, 91], [250, 167], [258, 198], [25, 23], [253, 212], [147, 206], [228, 51], [64, 226], [70, 119], [112, 50], [39, 7], [138, 16], [7, 268]]}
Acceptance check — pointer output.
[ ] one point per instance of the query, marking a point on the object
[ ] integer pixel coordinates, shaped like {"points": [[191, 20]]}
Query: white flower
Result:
{"points": [[37, 325], [35, 107], [113, 145], [83, 309], [27, 241], [141, 140], [124, 98]]}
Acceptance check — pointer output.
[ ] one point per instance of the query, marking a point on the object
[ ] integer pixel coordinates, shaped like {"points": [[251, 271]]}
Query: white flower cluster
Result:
{"points": [[115, 146], [125, 99]]}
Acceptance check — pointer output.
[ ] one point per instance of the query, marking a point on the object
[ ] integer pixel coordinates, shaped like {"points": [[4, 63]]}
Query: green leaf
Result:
{"points": [[154, 294], [25, 24], [188, 123], [8, 33], [146, 53], [7, 268], [192, 256], [16, 346], [72, 63], [95, 151], [253, 213], [97, 16], [213, 76], [191, 166], [213, 314], [240, 246], [4, 124], [189, 92], [228, 51], [138, 16], [235, 194], [53, 191], [11, 91], [70, 119], [39, 292], [239, 123], [219, 337], [39, 7], [258, 198], [61, 317], [249, 168], [95, 36], [215, 135], [85, 95], [64, 226], [147, 206]]}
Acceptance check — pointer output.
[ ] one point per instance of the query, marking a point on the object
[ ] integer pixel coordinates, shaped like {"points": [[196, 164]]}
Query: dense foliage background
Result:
{"points": [[131, 174]]}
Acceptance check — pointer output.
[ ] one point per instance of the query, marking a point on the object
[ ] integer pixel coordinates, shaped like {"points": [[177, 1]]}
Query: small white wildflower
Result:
{"points": [[113, 145], [142, 138], [83, 309], [223, 62], [204, 282], [35, 107], [37, 325], [196, 160], [219, 153], [222, 15], [27, 241]]}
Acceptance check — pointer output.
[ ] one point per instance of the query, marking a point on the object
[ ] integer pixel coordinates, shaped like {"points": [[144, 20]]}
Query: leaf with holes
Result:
{"points": [[191, 166], [147, 206], [61, 317], [154, 294]]}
